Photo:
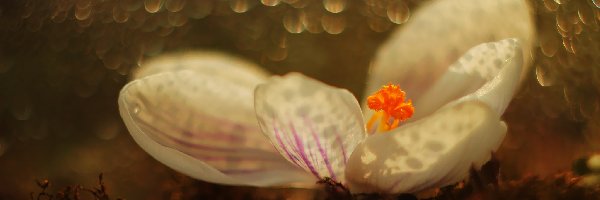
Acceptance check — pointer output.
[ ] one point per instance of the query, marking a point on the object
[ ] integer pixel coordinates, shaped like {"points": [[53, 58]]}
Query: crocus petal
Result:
{"points": [[203, 125], [207, 62], [481, 65], [435, 151], [421, 50], [313, 125]]}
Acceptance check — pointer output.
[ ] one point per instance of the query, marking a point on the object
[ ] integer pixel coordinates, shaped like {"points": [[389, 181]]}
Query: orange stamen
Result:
{"points": [[390, 107]]}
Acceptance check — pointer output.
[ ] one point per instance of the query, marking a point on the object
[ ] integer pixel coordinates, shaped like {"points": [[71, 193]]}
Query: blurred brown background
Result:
{"points": [[63, 62]]}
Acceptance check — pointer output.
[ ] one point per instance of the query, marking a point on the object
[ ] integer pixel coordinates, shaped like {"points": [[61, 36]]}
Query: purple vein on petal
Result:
{"points": [[218, 135], [194, 146], [338, 139], [300, 147], [162, 114], [311, 156], [321, 149], [287, 139], [234, 159], [283, 146], [227, 137], [294, 149], [182, 142], [214, 136], [241, 171]]}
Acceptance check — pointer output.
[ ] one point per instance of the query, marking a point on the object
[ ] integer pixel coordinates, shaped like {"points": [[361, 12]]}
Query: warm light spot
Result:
{"points": [[390, 106], [367, 157]]}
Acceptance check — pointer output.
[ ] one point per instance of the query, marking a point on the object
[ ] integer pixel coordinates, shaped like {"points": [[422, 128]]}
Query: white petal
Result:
{"points": [[480, 65], [203, 125], [498, 91], [439, 33], [313, 125], [435, 151], [206, 62]]}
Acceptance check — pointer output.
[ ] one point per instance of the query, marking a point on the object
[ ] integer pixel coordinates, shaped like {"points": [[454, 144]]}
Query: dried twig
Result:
{"points": [[71, 192]]}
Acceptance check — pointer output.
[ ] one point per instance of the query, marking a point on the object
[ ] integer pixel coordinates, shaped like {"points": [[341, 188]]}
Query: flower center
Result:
{"points": [[390, 107]]}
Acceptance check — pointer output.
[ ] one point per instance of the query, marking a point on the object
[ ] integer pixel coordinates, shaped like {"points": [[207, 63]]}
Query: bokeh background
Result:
{"points": [[63, 62]]}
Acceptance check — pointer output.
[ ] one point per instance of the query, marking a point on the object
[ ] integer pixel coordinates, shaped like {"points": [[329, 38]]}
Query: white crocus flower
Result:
{"points": [[320, 128], [203, 113]]}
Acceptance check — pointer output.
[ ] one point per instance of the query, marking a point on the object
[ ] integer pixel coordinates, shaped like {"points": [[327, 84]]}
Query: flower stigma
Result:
{"points": [[390, 108]]}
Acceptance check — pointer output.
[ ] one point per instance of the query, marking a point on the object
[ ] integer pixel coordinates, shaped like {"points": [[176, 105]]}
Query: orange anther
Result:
{"points": [[389, 101]]}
